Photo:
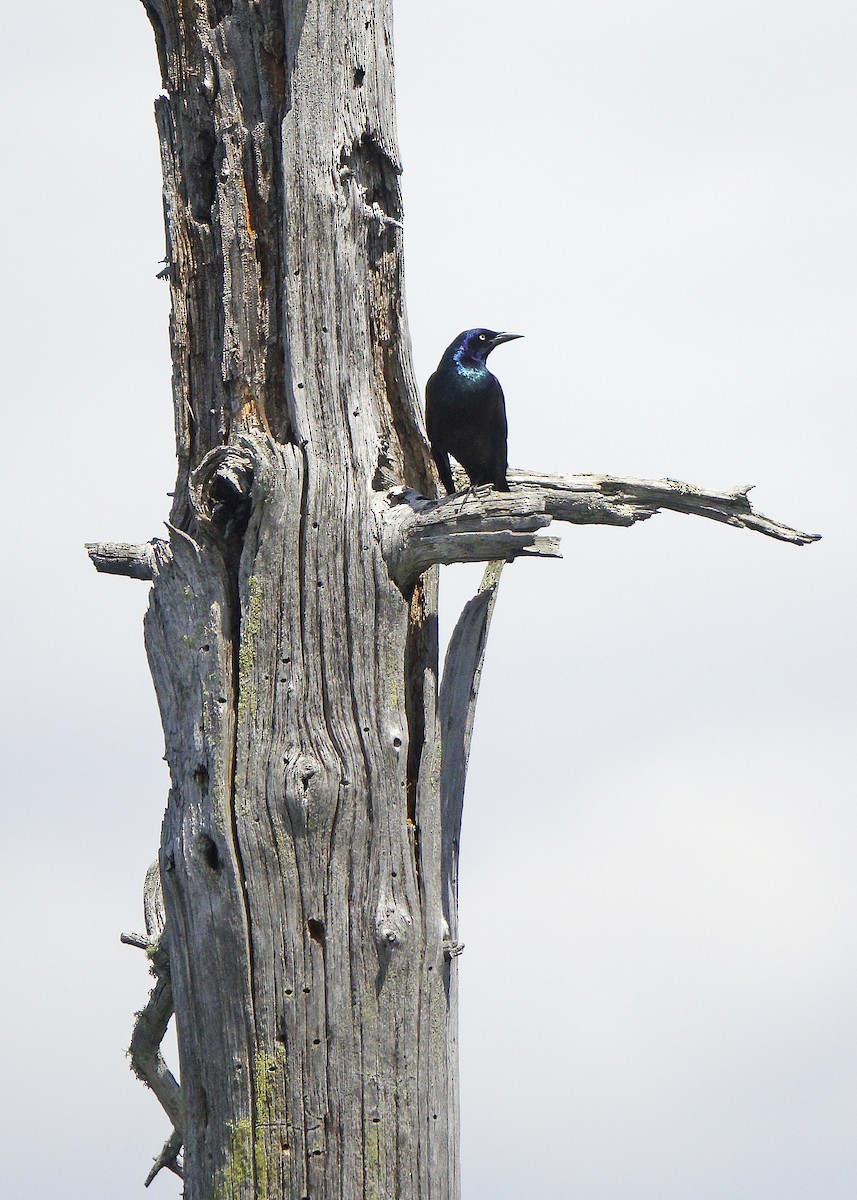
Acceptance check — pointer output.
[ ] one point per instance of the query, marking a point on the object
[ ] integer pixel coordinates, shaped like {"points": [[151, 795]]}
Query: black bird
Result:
{"points": [[466, 412]]}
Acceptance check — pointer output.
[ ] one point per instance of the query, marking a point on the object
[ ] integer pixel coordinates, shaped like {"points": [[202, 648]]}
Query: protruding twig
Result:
{"points": [[168, 1158], [141, 940]]}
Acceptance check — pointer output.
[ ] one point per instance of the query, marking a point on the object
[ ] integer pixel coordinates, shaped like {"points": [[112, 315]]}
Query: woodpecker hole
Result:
{"points": [[208, 850]]}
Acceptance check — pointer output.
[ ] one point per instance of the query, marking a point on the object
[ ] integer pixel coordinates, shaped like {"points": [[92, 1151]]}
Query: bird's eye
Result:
{"points": [[483, 338]]}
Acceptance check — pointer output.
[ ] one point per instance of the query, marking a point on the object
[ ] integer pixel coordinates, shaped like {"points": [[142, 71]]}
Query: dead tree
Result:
{"points": [[309, 847]]}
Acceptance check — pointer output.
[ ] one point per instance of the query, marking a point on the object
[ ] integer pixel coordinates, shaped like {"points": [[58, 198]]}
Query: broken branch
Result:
{"points": [[122, 558], [147, 1062], [608, 500], [482, 525]]}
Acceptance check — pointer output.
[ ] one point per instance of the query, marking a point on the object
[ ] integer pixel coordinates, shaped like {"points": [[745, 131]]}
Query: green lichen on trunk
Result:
{"points": [[247, 1159], [267, 1068], [237, 1171], [247, 650]]}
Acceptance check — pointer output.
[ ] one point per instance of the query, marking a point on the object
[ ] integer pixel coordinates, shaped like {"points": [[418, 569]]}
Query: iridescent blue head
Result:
{"points": [[474, 345]]}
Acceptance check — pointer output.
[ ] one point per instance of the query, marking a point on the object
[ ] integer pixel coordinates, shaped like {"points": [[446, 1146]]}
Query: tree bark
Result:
{"points": [[301, 848]]}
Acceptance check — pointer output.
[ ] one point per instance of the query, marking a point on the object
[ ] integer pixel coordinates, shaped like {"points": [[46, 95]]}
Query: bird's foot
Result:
{"points": [[475, 491], [465, 496]]}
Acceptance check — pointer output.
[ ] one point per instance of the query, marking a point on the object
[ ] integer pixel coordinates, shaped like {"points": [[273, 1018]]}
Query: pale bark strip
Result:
{"points": [[153, 902], [459, 692], [437, 818]]}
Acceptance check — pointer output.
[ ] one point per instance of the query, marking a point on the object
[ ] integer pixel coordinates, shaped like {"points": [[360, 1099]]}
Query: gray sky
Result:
{"points": [[658, 887]]}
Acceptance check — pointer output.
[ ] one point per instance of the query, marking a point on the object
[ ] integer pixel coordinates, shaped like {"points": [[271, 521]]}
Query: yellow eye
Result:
{"points": [[482, 337]]}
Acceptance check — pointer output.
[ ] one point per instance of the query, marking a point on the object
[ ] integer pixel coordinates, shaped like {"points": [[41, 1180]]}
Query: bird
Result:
{"points": [[466, 411]]}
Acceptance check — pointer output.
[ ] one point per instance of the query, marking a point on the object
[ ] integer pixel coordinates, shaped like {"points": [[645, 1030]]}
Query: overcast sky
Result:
{"points": [[659, 895]]}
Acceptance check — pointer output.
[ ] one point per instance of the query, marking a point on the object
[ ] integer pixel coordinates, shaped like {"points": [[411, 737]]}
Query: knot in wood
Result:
{"points": [[392, 926], [221, 489], [306, 767]]}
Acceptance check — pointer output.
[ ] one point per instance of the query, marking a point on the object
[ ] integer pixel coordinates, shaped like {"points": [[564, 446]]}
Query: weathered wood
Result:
{"points": [[609, 500], [151, 1023], [479, 525], [310, 981], [121, 558], [459, 691], [309, 847]]}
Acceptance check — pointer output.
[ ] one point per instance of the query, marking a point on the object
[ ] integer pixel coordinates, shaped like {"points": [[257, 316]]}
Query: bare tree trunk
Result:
{"points": [[310, 843], [301, 846]]}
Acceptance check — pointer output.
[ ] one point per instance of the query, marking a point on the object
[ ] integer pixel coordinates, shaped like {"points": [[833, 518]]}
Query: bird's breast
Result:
{"points": [[474, 374]]}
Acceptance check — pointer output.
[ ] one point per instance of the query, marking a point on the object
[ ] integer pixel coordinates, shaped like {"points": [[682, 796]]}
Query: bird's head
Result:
{"points": [[477, 344]]}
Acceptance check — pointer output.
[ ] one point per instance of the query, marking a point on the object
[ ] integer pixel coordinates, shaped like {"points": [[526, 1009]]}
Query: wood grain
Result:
{"points": [[296, 678]]}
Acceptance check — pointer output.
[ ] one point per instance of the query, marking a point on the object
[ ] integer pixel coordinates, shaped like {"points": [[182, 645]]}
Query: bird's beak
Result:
{"points": [[499, 338]]}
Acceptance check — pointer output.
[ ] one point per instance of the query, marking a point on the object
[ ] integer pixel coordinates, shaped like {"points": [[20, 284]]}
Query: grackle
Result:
{"points": [[466, 413]]}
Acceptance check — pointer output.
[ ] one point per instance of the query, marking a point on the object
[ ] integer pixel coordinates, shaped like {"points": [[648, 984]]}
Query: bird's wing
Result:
{"points": [[499, 439], [433, 407], [436, 426]]}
